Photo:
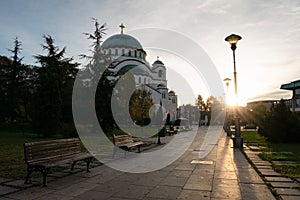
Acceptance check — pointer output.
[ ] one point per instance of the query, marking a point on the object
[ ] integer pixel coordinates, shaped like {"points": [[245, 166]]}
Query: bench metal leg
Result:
{"points": [[73, 164], [139, 149], [29, 172], [88, 161], [45, 172]]}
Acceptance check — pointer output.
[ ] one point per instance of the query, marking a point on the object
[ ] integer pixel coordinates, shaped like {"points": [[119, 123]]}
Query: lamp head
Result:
{"points": [[233, 39], [227, 81]]}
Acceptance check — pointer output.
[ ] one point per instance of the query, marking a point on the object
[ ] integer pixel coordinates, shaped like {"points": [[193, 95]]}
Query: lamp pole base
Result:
{"points": [[238, 142]]}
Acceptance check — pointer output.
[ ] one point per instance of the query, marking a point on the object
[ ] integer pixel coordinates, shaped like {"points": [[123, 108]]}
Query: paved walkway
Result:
{"points": [[223, 174]]}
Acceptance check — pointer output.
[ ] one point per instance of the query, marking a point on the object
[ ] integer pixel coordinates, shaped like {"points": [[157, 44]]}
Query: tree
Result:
{"points": [[280, 124], [97, 74], [54, 82], [200, 103], [139, 106], [14, 85]]}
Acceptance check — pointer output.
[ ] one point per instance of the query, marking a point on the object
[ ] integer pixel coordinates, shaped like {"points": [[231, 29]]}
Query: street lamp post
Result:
{"points": [[237, 140], [227, 120]]}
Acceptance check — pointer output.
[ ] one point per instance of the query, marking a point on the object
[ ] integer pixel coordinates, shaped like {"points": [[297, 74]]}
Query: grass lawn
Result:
{"points": [[252, 138], [276, 152], [12, 163]]}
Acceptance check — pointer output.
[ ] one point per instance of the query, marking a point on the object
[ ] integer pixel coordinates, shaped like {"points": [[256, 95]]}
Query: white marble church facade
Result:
{"points": [[128, 53]]}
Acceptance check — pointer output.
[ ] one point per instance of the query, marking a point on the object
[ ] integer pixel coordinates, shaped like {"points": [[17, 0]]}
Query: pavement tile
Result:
{"points": [[185, 166], [76, 189], [164, 192], [278, 179], [224, 182], [18, 184], [132, 191], [31, 193], [174, 181], [225, 175], [232, 192], [254, 188], [264, 167], [249, 177], [286, 197], [200, 171], [258, 196], [59, 174], [6, 190], [199, 183], [268, 172], [181, 173], [3, 180], [55, 197], [288, 191], [262, 163], [194, 195], [93, 195], [284, 184]]}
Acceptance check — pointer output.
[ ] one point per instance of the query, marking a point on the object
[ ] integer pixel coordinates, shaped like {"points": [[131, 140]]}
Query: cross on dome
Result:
{"points": [[122, 26]]}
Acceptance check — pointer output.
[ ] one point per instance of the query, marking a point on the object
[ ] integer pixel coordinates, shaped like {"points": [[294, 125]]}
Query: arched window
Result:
{"points": [[140, 79], [145, 80], [116, 52], [109, 51], [123, 52], [129, 53], [135, 53], [160, 73]]}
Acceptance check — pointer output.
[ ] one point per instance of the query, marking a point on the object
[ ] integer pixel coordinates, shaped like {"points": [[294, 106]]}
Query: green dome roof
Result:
{"points": [[122, 40]]}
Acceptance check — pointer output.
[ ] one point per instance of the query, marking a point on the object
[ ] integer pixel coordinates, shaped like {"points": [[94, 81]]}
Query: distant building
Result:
{"points": [[295, 88], [267, 103], [190, 112]]}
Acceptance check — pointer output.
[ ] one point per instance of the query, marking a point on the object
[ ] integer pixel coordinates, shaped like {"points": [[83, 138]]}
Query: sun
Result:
{"points": [[231, 100]]}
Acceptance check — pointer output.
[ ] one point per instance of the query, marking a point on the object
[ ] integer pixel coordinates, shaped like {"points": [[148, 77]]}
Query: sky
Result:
{"points": [[266, 57]]}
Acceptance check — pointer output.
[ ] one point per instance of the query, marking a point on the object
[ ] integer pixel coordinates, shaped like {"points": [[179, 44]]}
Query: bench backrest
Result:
{"points": [[122, 139], [44, 150]]}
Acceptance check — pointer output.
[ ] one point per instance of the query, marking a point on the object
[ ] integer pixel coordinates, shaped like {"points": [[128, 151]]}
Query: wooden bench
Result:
{"points": [[126, 142], [170, 130], [41, 156]]}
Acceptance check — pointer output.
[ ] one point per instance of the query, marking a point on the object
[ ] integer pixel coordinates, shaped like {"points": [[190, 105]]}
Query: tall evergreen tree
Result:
{"points": [[98, 74], [14, 84], [54, 80]]}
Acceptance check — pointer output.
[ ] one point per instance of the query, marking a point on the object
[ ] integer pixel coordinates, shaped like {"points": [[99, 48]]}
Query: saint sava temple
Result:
{"points": [[128, 54]]}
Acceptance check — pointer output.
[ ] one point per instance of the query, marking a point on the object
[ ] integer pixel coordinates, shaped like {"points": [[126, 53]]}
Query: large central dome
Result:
{"points": [[122, 40]]}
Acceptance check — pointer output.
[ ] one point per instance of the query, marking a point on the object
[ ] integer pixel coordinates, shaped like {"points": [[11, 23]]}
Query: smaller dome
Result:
{"points": [[158, 62], [171, 92], [161, 85]]}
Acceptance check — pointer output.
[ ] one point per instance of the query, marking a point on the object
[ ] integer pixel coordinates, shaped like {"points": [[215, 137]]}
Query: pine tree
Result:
{"points": [[55, 79]]}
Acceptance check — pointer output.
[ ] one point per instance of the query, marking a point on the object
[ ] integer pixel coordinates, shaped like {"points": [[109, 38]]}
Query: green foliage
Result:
{"points": [[277, 156], [292, 171], [280, 124], [52, 99], [14, 86], [139, 106]]}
